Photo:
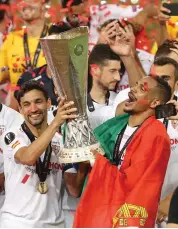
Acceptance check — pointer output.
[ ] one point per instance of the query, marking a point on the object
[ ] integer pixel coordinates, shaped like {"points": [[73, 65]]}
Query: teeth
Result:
{"points": [[35, 115]]}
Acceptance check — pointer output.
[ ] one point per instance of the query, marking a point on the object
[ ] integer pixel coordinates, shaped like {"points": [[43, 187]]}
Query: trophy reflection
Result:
{"points": [[67, 58]]}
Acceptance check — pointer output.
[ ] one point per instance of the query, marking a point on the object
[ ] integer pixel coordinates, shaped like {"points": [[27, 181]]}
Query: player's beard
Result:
{"points": [[38, 122]]}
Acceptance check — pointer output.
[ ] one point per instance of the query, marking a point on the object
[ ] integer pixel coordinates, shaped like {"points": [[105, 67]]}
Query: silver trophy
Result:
{"points": [[67, 57]]}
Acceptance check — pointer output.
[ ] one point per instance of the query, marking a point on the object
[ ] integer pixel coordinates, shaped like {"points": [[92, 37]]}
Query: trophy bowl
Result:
{"points": [[67, 58]]}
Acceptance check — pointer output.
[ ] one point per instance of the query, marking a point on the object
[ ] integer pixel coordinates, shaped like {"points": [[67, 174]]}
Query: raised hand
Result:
{"points": [[176, 105], [65, 111], [162, 17], [122, 45], [108, 32]]}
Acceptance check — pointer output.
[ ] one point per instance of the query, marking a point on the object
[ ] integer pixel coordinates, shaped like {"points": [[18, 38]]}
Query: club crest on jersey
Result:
{"points": [[9, 137], [129, 213], [2, 129]]}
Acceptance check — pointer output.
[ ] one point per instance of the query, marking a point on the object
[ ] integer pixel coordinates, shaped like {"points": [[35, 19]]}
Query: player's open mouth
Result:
{"points": [[35, 115], [132, 99]]}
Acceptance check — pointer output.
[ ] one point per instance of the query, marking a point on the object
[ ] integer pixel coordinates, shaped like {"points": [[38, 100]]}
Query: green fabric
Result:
{"points": [[107, 133]]}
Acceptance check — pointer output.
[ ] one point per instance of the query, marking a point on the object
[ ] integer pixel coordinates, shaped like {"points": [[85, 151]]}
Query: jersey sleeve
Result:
{"points": [[13, 118], [13, 140]]}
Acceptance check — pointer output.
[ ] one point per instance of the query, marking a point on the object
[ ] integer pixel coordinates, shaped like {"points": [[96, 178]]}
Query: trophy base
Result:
{"points": [[80, 154]]}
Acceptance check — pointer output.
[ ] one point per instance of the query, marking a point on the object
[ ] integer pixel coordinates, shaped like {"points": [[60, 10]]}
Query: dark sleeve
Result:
{"points": [[173, 210]]}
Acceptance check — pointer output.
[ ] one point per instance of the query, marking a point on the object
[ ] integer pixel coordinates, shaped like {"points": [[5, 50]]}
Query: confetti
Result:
{"points": [[33, 74], [4, 7], [83, 18], [27, 58], [15, 65], [64, 10], [107, 13], [69, 3], [42, 70], [12, 88], [103, 7]]}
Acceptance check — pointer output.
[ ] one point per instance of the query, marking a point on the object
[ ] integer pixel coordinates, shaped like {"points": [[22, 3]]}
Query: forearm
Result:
{"points": [[75, 182], [133, 69], [1, 179], [162, 34], [4, 77], [28, 155], [139, 21]]}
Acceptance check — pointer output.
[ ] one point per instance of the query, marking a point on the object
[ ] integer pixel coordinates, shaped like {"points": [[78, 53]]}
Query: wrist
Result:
{"points": [[128, 58], [55, 124]]}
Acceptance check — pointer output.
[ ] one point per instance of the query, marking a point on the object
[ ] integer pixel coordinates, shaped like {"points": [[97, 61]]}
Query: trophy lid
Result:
{"points": [[70, 34]]}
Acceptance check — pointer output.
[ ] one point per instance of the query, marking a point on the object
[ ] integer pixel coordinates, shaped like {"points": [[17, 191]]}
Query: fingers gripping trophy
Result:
{"points": [[67, 57]]}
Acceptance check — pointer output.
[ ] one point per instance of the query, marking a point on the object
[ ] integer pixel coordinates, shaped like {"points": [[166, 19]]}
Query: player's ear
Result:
{"points": [[48, 103], [155, 103], [20, 109]]}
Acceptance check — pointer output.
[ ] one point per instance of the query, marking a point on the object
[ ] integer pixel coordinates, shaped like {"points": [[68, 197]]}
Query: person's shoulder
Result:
{"points": [[12, 117], [11, 134], [15, 34], [158, 130], [9, 111]]}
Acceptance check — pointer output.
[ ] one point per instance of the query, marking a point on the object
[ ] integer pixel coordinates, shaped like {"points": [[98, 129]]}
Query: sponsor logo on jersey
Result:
{"points": [[9, 138]]}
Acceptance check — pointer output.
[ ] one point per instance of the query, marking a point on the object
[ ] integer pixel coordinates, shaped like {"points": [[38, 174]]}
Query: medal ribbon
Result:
{"points": [[37, 52], [117, 152]]}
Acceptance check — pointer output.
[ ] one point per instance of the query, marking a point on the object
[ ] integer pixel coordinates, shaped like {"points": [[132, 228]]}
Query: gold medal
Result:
{"points": [[42, 187]]}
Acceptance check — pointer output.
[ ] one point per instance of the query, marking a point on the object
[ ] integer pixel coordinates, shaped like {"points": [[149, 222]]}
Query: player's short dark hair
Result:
{"points": [[165, 49], [59, 27], [164, 89], [100, 54], [2, 15], [29, 86], [161, 61]]}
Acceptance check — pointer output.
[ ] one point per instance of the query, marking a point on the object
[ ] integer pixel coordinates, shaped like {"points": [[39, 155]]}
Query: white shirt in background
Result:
{"points": [[100, 14], [8, 119], [104, 113], [171, 178], [92, 115]]}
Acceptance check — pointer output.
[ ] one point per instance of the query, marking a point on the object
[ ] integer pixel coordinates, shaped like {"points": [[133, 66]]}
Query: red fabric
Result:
{"points": [[137, 183]]}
